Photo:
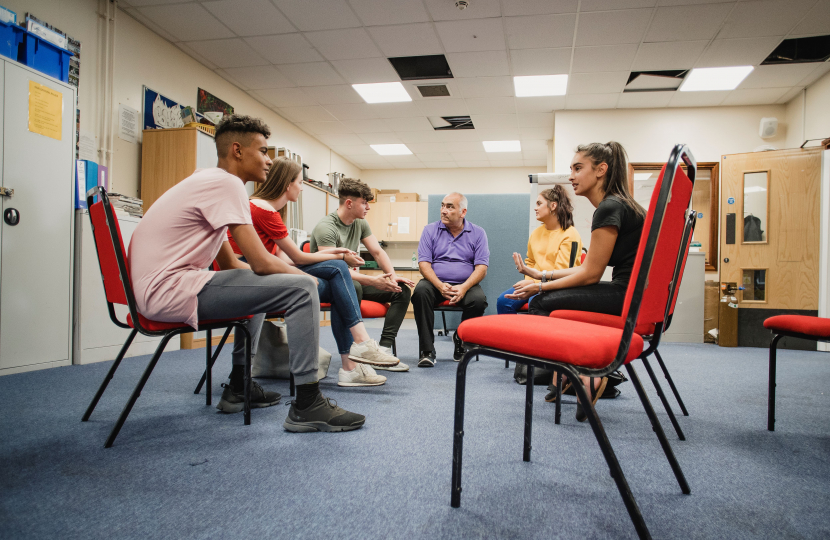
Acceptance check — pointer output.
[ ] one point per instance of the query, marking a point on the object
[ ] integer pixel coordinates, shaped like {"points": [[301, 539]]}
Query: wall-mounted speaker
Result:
{"points": [[769, 127]]}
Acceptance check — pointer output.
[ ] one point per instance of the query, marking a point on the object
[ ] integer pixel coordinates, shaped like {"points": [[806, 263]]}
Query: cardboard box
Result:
{"points": [[375, 193], [398, 197], [711, 301], [384, 191]]}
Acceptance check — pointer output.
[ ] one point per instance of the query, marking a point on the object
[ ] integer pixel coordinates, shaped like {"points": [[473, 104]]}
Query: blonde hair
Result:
{"points": [[283, 171]]}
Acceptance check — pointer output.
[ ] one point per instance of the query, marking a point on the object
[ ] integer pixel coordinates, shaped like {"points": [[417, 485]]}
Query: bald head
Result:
{"points": [[453, 210]]}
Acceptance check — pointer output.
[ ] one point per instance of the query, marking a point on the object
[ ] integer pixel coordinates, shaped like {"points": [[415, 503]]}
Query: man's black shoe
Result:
{"points": [[233, 400], [459, 351], [426, 359]]}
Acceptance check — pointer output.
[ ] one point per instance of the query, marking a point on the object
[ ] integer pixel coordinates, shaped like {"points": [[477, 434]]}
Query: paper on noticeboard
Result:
{"points": [[127, 123], [86, 146], [403, 225], [45, 110]]}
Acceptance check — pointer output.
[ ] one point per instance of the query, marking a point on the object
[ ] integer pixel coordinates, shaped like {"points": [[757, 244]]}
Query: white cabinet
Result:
{"points": [[687, 321], [36, 253], [96, 338]]}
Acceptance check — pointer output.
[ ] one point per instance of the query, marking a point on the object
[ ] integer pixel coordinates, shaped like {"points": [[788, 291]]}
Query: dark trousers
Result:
{"points": [[425, 299], [602, 297], [398, 304]]}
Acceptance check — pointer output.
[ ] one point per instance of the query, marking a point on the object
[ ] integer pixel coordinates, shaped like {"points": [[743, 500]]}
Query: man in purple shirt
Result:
{"points": [[453, 257]]}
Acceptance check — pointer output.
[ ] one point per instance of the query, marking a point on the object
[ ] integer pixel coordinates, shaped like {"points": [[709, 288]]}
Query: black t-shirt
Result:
{"points": [[613, 212]]}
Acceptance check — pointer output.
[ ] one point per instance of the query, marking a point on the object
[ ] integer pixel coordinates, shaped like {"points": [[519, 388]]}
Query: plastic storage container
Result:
{"points": [[45, 57], [11, 36]]}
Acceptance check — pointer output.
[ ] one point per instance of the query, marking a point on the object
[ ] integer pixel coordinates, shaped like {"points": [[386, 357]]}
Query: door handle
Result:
{"points": [[7, 192]]}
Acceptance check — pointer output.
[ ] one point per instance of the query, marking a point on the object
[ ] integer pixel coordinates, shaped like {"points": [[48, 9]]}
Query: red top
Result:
{"points": [[268, 225]]}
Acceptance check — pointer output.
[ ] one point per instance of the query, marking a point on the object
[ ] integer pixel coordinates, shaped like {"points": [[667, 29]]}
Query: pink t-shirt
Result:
{"points": [[180, 236]]}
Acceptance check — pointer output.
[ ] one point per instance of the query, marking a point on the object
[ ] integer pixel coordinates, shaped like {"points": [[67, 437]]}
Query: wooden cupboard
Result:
{"points": [[397, 221]]}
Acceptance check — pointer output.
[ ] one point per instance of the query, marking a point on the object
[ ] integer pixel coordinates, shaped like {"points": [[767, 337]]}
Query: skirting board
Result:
{"points": [[187, 341]]}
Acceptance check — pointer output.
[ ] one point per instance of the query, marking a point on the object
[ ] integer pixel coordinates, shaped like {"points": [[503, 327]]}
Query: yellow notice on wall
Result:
{"points": [[45, 110]]}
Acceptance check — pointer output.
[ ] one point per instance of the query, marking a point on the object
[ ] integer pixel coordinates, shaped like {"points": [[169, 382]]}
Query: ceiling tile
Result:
{"points": [[373, 159], [443, 107], [548, 31], [250, 17], [501, 159], [420, 137], [458, 135], [409, 158], [309, 15], [284, 49], [434, 156], [754, 96], [514, 8], [817, 20], [186, 22], [777, 76], [411, 87], [417, 165], [764, 18], [371, 125], [445, 10], [311, 74], [306, 114], [352, 111], [472, 164], [645, 100], [738, 52], [612, 27], [139, 3], [406, 39], [479, 64], [408, 124], [597, 83], [544, 120], [441, 165], [690, 2], [343, 44], [496, 105], [345, 139], [540, 104], [813, 76], [380, 138], [259, 77], [697, 99], [366, 70], [328, 95], [494, 121], [355, 150], [135, 14], [790, 94], [511, 162], [670, 55], [463, 146], [470, 156], [427, 148], [397, 110], [471, 35], [325, 128], [599, 59], [534, 146], [536, 133], [228, 53], [502, 134], [286, 97], [535, 154], [201, 59], [698, 22], [606, 5], [486, 87], [378, 12], [592, 101], [541, 61]]}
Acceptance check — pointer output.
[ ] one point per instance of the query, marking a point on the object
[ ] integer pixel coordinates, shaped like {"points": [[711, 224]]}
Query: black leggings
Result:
{"points": [[602, 297]]}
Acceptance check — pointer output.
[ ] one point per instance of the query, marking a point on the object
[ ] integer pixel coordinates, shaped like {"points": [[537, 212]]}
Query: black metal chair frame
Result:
{"points": [[773, 348], [680, 152], [166, 335]]}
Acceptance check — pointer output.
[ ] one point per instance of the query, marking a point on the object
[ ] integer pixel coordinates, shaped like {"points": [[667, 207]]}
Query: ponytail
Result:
{"points": [[616, 177], [564, 208]]}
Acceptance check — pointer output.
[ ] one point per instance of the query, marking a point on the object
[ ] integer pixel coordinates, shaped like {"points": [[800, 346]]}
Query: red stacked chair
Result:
{"points": [[112, 260], [575, 348]]}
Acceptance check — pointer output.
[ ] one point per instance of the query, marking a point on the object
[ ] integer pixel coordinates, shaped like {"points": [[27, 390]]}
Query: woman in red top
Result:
{"points": [[331, 268]]}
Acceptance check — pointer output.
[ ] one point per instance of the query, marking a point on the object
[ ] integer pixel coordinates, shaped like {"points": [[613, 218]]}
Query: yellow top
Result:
{"points": [[551, 250]]}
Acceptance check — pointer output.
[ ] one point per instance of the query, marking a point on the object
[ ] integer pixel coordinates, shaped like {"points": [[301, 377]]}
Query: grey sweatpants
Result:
{"points": [[237, 293]]}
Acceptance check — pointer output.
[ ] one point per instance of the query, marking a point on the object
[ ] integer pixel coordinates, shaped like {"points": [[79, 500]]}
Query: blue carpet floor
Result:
{"points": [[181, 470]]}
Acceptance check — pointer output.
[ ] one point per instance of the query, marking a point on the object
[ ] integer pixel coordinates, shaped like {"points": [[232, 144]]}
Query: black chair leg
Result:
{"points": [[394, 350], [677, 429], [139, 387], [108, 378], [444, 320], [213, 361], [658, 429], [506, 364], [291, 387], [528, 413], [671, 382], [773, 346], [557, 415], [247, 408], [458, 429], [208, 367], [610, 458]]}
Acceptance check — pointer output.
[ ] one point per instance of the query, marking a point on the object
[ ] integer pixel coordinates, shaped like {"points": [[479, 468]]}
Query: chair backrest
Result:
{"points": [[112, 258], [574, 250], [306, 247], [657, 254]]}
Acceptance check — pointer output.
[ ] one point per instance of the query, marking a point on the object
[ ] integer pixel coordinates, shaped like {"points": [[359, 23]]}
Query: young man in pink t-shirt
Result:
{"points": [[185, 230]]}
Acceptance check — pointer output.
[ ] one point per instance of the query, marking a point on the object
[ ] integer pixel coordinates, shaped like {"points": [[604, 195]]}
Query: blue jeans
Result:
{"points": [[509, 306], [335, 287]]}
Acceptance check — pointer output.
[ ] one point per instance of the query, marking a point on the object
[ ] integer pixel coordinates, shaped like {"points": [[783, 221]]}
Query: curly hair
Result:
{"points": [[564, 209], [237, 128], [354, 189]]}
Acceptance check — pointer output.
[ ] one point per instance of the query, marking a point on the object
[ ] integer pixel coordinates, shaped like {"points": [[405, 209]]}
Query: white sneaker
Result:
{"points": [[369, 352], [360, 376]]}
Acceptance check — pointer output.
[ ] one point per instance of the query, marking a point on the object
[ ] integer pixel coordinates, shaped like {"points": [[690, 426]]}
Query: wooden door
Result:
{"points": [[786, 244], [378, 218], [404, 223]]}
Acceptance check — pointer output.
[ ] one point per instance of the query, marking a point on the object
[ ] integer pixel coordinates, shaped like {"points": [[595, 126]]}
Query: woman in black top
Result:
{"points": [[600, 173]]}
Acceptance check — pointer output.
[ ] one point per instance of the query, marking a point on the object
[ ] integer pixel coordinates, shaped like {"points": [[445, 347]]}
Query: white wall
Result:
{"points": [[816, 114], [463, 180]]}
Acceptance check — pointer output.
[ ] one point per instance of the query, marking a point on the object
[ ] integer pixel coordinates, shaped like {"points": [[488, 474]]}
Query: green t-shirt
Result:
{"points": [[332, 232]]}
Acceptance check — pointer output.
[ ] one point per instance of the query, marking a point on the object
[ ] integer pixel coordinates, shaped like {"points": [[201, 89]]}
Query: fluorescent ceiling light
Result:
{"points": [[391, 149], [502, 146], [382, 92], [541, 85], [721, 78]]}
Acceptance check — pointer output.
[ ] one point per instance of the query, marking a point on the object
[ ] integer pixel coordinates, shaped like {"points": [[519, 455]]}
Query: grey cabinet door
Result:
{"points": [[35, 265]]}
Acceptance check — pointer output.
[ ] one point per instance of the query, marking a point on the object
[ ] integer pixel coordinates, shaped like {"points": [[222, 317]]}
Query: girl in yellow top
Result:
{"points": [[550, 246]]}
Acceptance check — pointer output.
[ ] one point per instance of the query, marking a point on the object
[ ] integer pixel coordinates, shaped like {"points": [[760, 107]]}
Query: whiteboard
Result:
{"points": [[314, 207]]}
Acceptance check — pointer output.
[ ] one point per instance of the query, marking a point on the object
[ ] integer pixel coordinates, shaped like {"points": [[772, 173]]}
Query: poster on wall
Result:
{"points": [[207, 103], [161, 112]]}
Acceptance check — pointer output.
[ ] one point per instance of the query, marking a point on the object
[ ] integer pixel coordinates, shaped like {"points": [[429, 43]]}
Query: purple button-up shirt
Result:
{"points": [[453, 258]]}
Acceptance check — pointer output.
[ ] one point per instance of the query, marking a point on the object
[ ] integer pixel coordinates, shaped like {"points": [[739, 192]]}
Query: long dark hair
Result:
{"points": [[564, 209], [616, 177]]}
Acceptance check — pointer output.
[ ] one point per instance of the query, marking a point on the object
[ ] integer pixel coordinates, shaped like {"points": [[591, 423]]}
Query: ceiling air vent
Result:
{"points": [[654, 81], [414, 68], [800, 51], [442, 123], [434, 90]]}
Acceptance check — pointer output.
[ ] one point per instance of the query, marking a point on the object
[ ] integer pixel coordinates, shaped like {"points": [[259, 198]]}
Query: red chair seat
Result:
{"points": [[524, 307], [446, 304], [564, 341], [614, 321], [799, 324], [373, 310], [324, 305], [156, 326]]}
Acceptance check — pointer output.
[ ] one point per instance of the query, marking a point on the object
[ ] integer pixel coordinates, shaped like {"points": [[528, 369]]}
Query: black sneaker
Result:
{"points": [[233, 400], [426, 359], [322, 415], [459, 351]]}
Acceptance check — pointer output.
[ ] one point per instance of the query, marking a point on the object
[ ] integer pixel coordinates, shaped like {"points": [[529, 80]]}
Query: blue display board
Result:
{"points": [[161, 112]]}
